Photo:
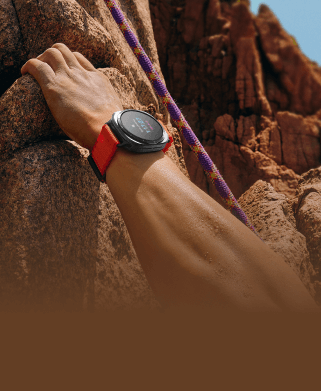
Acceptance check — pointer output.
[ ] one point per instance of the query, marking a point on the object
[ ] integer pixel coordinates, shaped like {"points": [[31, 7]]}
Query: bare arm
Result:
{"points": [[192, 250]]}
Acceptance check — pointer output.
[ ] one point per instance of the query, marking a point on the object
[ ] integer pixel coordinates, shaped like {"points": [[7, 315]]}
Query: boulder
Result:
{"points": [[307, 208], [272, 215], [63, 243]]}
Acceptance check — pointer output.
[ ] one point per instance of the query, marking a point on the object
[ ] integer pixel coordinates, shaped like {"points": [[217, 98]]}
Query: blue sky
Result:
{"points": [[302, 19]]}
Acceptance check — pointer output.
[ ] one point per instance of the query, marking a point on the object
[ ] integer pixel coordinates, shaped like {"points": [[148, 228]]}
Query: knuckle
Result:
{"points": [[51, 51], [32, 62], [59, 45]]}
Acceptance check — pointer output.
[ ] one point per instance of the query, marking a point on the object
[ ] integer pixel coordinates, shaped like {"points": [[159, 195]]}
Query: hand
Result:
{"points": [[80, 98]]}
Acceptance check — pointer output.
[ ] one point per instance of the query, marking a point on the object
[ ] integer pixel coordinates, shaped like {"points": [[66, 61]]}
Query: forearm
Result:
{"points": [[192, 250]]}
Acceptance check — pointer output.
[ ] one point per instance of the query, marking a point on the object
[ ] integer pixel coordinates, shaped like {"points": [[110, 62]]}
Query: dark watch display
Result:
{"points": [[141, 126], [138, 131]]}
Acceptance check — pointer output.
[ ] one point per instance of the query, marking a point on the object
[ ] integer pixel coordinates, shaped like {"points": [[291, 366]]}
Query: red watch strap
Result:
{"points": [[170, 138], [104, 148]]}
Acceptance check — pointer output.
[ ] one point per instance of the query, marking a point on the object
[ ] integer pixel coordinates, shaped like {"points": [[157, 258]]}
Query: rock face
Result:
{"points": [[250, 95], [273, 217], [63, 243], [307, 209], [291, 227]]}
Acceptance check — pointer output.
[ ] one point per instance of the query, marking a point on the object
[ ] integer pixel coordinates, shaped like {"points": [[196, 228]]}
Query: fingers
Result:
{"points": [[74, 59], [54, 58], [68, 55], [58, 57], [41, 71], [84, 62]]}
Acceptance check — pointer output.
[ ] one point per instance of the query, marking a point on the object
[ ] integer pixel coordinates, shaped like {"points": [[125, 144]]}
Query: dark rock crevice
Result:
{"points": [[12, 52]]}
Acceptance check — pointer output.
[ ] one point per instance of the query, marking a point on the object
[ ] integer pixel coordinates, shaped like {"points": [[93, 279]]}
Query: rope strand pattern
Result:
{"points": [[209, 167]]}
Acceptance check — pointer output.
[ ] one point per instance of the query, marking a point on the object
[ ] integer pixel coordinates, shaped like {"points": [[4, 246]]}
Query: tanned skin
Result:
{"points": [[194, 253]]}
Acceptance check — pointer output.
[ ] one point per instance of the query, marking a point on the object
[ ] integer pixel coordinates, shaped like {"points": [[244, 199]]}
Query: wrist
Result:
{"points": [[127, 164], [134, 136], [96, 125]]}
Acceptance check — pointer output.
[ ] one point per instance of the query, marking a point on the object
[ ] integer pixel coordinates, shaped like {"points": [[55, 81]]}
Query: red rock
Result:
{"points": [[295, 73], [249, 77], [246, 131], [225, 127], [308, 216], [63, 242], [12, 51], [300, 141], [272, 215], [269, 139], [223, 64], [25, 117]]}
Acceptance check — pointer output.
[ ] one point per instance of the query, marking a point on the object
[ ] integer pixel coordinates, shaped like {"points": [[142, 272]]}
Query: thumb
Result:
{"points": [[40, 70]]}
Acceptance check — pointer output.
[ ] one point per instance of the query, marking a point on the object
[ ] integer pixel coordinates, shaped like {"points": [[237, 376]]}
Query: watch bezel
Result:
{"points": [[129, 143]]}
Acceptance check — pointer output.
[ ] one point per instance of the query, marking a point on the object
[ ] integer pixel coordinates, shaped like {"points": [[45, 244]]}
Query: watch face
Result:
{"points": [[141, 126]]}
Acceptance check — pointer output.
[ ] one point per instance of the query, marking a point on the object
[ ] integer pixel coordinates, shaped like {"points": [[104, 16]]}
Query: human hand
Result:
{"points": [[80, 97]]}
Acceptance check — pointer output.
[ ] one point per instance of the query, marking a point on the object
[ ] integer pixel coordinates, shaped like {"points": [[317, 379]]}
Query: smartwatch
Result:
{"points": [[134, 130]]}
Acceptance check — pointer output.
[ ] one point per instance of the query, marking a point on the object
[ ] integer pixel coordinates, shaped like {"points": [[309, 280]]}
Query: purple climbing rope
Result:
{"points": [[209, 167]]}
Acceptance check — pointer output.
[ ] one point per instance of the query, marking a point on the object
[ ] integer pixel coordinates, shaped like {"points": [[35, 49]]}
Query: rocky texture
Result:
{"points": [[308, 214], [25, 117], [12, 50], [291, 227], [300, 140], [63, 243], [295, 82], [250, 95], [65, 258], [273, 217]]}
